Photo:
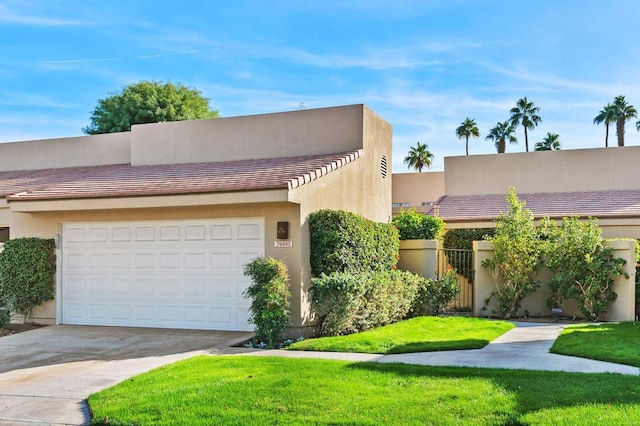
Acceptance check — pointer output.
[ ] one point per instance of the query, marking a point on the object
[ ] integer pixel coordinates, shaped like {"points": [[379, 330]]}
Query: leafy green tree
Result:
{"points": [[419, 157], [607, 116], [550, 142], [500, 134], [623, 113], [147, 102], [583, 268], [467, 129], [525, 113], [517, 256]]}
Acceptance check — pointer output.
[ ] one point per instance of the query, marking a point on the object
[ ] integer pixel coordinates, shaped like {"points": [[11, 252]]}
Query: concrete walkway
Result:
{"points": [[524, 347]]}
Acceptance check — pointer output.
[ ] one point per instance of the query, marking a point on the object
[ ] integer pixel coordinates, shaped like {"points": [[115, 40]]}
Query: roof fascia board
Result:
{"points": [[226, 198]]}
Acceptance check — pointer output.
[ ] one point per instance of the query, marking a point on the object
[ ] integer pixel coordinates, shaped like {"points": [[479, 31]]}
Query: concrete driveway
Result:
{"points": [[46, 374]]}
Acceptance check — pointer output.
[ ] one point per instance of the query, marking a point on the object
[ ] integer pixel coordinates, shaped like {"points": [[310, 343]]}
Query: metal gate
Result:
{"points": [[462, 262]]}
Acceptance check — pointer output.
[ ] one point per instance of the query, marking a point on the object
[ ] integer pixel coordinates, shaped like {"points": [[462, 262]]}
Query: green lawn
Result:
{"points": [[245, 390], [618, 343], [421, 334]]}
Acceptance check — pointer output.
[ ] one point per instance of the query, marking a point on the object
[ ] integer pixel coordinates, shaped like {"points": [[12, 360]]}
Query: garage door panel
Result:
{"points": [[178, 274]]}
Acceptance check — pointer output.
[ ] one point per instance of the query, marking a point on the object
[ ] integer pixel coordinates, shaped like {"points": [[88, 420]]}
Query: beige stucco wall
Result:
{"points": [[95, 150], [286, 134], [419, 257], [358, 187], [417, 189], [621, 309], [545, 171]]}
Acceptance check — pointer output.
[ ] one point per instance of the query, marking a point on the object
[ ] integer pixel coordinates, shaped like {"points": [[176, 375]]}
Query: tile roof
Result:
{"points": [[125, 180], [601, 204]]}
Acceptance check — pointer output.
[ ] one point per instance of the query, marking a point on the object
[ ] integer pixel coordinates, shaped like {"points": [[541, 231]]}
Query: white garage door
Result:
{"points": [[169, 274]]}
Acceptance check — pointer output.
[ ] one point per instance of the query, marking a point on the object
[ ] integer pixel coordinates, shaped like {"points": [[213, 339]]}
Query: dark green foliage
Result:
{"points": [[417, 226], [349, 303], [435, 295], [583, 268], [27, 274], [462, 239], [147, 102], [342, 241], [270, 296]]}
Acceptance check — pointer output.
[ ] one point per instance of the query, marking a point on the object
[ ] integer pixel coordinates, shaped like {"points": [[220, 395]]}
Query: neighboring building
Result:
{"points": [[600, 182], [416, 190], [153, 226]]}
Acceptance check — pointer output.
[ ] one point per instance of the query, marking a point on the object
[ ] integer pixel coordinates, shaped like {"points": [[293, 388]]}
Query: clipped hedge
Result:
{"points": [[417, 226], [342, 241], [348, 303], [462, 239], [27, 274]]}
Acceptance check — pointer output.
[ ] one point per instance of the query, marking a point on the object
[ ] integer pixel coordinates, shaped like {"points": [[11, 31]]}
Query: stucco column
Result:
{"points": [[419, 257], [484, 282], [624, 307]]}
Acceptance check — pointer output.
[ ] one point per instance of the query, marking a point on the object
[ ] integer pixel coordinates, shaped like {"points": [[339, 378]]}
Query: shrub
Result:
{"points": [[517, 256], [347, 303], [462, 239], [583, 268], [270, 296], [436, 295], [346, 242], [416, 226], [27, 274]]}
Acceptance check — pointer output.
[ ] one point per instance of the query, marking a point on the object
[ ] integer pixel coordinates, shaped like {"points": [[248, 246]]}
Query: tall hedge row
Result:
{"points": [[342, 241]]}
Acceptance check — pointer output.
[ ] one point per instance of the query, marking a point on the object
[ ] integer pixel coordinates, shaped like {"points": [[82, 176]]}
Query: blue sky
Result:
{"points": [[424, 66]]}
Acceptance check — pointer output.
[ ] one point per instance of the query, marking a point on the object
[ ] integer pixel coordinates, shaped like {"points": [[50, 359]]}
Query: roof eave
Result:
{"points": [[155, 201]]}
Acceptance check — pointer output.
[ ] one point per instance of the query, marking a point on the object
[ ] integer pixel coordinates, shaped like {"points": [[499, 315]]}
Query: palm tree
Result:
{"points": [[623, 113], [606, 116], [468, 128], [500, 134], [550, 142], [525, 113], [419, 157]]}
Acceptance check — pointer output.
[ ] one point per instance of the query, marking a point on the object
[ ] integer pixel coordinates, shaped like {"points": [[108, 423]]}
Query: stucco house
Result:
{"points": [[470, 192], [153, 226]]}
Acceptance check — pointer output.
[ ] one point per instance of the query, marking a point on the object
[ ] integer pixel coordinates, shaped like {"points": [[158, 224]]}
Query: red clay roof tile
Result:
{"points": [[621, 203], [124, 180]]}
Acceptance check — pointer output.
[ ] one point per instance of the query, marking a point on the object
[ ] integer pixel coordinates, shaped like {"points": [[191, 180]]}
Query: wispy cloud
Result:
{"points": [[113, 59], [10, 17]]}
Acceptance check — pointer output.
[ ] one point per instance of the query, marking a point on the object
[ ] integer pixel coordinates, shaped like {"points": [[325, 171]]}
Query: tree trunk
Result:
{"points": [[606, 137], [467, 144], [620, 131], [526, 139], [501, 146]]}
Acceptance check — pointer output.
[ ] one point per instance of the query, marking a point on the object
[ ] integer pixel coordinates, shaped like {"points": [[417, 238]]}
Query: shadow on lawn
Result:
{"points": [[439, 346], [534, 390]]}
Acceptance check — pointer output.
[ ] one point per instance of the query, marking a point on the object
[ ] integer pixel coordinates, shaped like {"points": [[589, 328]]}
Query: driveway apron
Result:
{"points": [[46, 374]]}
